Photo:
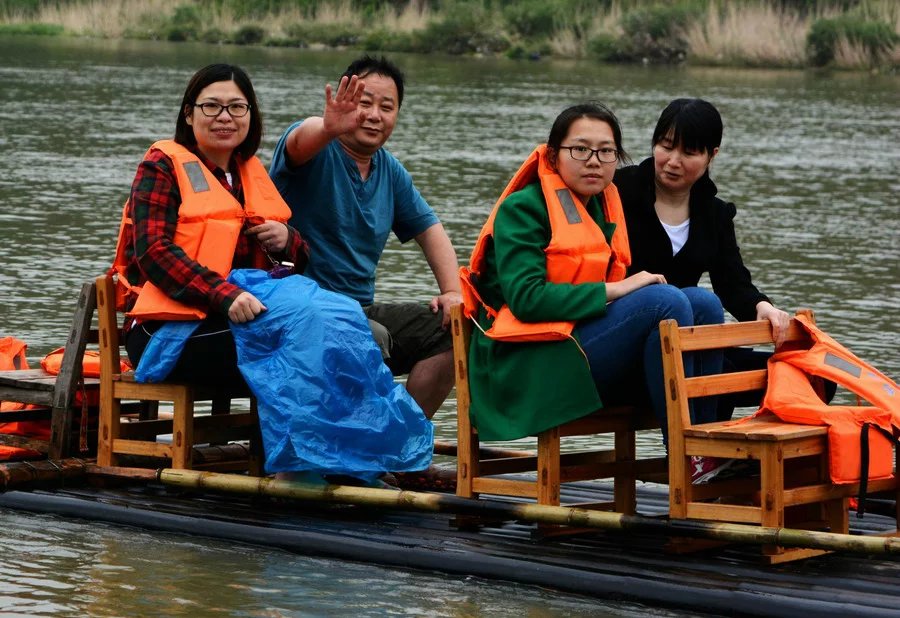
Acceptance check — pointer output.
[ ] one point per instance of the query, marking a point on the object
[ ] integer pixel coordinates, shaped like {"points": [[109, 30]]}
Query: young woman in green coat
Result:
{"points": [[520, 388]]}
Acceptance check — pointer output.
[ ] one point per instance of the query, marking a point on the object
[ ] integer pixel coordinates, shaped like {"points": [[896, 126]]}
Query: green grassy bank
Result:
{"points": [[846, 34]]}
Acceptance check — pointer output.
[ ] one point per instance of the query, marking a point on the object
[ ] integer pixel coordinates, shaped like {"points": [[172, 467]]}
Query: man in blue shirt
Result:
{"points": [[347, 193]]}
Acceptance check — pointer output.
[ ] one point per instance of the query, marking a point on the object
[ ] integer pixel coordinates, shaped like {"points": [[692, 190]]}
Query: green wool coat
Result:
{"points": [[520, 389]]}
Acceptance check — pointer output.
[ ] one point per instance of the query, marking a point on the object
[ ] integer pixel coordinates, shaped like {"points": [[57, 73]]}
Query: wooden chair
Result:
{"points": [[55, 393], [140, 436], [482, 470], [793, 487]]}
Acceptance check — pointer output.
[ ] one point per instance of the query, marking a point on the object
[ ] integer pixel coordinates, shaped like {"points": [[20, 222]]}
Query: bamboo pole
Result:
{"points": [[445, 447], [20, 473], [560, 515]]}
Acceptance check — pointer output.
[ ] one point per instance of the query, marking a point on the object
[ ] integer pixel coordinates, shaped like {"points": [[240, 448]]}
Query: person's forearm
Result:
{"points": [[307, 140], [441, 257]]}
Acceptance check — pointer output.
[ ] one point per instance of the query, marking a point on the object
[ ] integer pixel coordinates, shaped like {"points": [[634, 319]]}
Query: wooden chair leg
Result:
{"points": [[60, 431], [771, 472], [625, 494], [220, 405], [548, 473], [110, 422], [149, 410], [897, 491], [837, 514], [467, 445], [183, 430], [679, 485], [256, 458]]}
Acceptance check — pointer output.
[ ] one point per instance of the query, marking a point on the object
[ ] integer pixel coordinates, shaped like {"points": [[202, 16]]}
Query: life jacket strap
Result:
{"points": [[864, 462]]}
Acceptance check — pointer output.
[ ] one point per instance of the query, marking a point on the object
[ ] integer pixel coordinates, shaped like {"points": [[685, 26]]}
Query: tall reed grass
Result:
{"points": [[730, 35], [771, 33]]}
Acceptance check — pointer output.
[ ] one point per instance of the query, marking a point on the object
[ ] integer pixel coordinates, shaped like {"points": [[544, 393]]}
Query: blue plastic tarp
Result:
{"points": [[327, 402], [162, 351]]}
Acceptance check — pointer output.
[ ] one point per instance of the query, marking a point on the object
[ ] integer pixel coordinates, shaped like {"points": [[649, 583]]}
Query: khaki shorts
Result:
{"points": [[410, 332]]}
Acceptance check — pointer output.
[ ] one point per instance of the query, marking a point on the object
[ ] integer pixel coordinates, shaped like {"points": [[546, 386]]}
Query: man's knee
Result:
{"points": [[411, 331], [382, 337]]}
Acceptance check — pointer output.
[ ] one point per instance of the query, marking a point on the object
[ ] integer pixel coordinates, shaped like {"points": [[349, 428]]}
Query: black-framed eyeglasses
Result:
{"points": [[583, 153], [235, 110]]}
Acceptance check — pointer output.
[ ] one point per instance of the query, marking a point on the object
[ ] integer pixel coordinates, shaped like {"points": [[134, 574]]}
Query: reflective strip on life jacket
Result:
{"points": [[577, 252], [791, 397], [210, 220]]}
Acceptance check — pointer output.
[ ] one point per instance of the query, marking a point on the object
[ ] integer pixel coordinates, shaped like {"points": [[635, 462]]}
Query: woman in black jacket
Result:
{"points": [[679, 228]]}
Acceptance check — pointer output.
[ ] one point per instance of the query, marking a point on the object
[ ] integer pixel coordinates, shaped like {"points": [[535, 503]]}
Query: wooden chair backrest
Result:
{"points": [[80, 335], [461, 331], [107, 321], [676, 341]]}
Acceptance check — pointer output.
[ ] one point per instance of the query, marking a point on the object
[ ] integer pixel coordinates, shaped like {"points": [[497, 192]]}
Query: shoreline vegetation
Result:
{"points": [[840, 34]]}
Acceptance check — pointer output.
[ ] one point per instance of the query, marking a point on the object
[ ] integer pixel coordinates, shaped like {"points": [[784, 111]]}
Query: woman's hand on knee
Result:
{"points": [[618, 289], [245, 308]]}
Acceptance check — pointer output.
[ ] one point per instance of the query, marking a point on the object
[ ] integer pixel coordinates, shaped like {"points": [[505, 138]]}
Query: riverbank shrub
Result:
{"points": [[467, 27], [385, 40], [36, 29], [214, 36], [329, 35], [653, 34], [250, 34], [533, 18], [876, 38], [185, 24]]}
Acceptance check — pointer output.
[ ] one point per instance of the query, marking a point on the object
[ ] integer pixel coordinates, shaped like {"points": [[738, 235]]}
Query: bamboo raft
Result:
{"points": [[624, 558]]}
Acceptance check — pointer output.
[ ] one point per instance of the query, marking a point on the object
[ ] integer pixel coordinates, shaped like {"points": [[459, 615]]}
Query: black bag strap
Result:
{"points": [[864, 462]]}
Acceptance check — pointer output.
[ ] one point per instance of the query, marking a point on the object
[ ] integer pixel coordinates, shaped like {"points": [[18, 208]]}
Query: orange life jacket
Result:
{"points": [[12, 358], [791, 397], [90, 364], [12, 354], [210, 220], [577, 253]]}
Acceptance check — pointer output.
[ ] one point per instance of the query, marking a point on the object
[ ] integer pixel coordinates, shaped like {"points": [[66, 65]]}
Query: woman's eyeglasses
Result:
{"points": [[583, 153], [235, 110]]}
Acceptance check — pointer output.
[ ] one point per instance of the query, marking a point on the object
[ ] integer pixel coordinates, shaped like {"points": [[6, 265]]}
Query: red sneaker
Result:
{"points": [[704, 469]]}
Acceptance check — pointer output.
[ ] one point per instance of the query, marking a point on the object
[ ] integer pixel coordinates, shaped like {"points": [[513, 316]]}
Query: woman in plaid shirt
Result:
{"points": [[219, 122]]}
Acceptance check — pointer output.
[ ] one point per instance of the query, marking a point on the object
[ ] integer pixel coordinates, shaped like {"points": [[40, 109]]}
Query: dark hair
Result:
{"points": [[695, 124], [597, 111], [369, 65], [184, 133]]}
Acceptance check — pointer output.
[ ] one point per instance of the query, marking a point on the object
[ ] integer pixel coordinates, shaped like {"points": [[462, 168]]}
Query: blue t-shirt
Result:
{"points": [[346, 219]]}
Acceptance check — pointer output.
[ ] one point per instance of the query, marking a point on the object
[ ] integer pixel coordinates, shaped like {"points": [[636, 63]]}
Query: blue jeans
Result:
{"points": [[623, 345], [707, 309]]}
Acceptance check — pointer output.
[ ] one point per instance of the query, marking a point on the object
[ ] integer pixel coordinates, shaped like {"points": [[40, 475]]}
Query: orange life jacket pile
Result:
{"points": [[12, 357], [860, 438]]}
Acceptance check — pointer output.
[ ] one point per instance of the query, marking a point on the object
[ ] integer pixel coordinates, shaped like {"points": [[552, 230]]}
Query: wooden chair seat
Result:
{"points": [[793, 486], [55, 393], [478, 471], [142, 436], [763, 428]]}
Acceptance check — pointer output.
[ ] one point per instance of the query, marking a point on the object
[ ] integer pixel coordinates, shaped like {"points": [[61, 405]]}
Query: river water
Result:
{"points": [[811, 160]]}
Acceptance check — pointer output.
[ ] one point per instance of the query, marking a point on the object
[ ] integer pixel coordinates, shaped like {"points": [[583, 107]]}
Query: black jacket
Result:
{"points": [[711, 245]]}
